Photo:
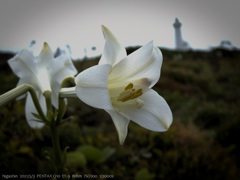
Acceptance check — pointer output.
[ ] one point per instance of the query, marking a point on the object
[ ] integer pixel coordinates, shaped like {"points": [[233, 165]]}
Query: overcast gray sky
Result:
{"points": [[78, 22]]}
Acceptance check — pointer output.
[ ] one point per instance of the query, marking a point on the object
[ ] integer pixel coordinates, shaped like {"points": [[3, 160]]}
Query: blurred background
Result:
{"points": [[76, 25], [199, 80]]}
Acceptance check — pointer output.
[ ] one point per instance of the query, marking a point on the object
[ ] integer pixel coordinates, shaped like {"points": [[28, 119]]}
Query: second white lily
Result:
{"points": [[43, 73]]}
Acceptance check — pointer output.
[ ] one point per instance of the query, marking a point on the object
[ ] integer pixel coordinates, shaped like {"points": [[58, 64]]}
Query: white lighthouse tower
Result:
{"points": [[180, 44]]}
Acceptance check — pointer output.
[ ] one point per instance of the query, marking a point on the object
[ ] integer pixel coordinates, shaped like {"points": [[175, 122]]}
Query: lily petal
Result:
{"points": [[121, 124], [45, 56], [28, 80], [113, 52], [30, 108], [145, 63], [154, 115], [92, 86], [61, 67], [54, 97], [23, 64]]}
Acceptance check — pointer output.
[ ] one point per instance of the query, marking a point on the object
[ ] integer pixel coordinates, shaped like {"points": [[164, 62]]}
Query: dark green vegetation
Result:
{"points": [[203, 92]]}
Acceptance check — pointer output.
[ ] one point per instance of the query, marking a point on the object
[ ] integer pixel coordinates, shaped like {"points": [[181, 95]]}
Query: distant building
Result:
{"points": [[180, 44], [227, 45]]}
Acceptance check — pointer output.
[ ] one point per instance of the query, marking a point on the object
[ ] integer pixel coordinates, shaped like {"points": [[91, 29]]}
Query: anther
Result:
{"points": [[129, 86], [129, 93]]}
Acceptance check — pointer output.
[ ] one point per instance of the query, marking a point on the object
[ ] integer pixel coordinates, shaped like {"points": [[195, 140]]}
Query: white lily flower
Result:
{"points": [[43, 73], [121, 85]]}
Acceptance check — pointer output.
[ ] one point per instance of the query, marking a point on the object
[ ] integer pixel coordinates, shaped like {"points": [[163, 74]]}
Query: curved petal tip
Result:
{"points": [[46, 47]]}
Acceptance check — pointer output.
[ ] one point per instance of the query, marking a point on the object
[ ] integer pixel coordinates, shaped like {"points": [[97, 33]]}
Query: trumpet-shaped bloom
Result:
{"points": [[43, 73], [121, 85]]}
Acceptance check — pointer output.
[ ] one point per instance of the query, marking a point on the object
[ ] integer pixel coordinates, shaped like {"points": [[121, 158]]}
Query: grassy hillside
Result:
{"points": [[202, 89]]}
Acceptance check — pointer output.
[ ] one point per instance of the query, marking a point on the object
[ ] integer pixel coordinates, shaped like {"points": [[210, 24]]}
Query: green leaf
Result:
{"points": [[65, 155], [67, 120], [91, 153], [76, 160], [107, 153], [158, 152], [36, 115], [40, 120], [144, 174], [25, 150], [145, 153]]}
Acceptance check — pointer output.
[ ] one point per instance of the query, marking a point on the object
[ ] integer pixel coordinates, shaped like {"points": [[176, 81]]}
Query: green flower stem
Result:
{"points": [[54, 124], [13, 94], [58, 158], [19, 91], [61, 110], [61, 102], [68, 80], [48, 99], [68, 93], [50, 120]]}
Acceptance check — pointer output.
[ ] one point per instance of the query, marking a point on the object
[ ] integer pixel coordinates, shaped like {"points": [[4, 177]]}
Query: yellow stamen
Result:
{"points": [[129, 86], [137, 94], [129, 93]]}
